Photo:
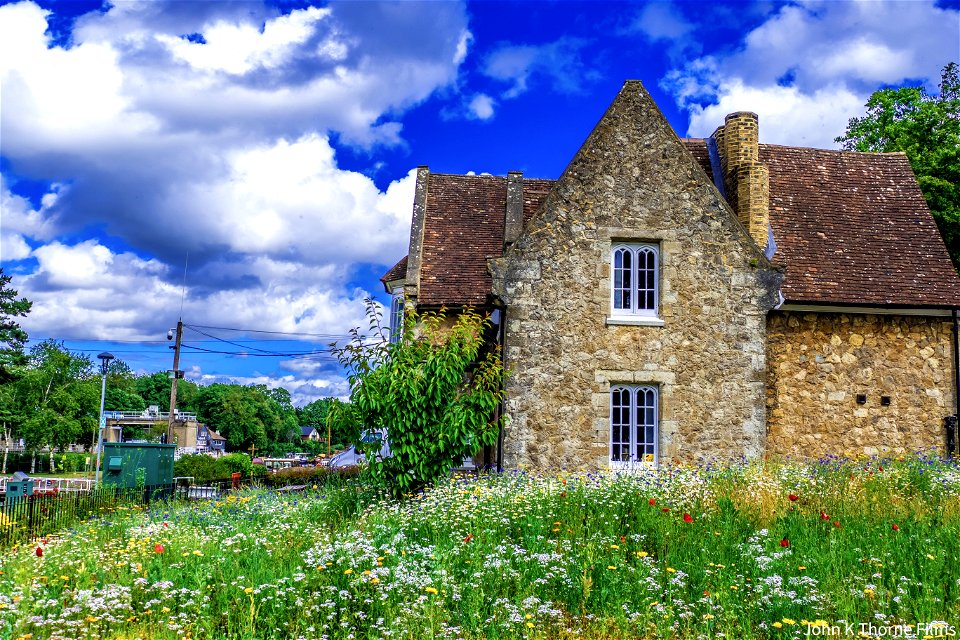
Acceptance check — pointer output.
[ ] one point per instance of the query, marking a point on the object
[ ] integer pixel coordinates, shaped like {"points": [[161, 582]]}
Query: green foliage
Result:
{"points": [[58, 396], [766, 550], [435, 392], [201, 468], [927, 129], [237, 463], [324, 411], [12, 336], [248, 416], [308, 475]]}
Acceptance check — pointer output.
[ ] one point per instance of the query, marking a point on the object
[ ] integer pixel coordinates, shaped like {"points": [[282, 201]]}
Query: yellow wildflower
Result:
{"points": [[431, 590], [789, 621], [248, 590], [777, 625]]}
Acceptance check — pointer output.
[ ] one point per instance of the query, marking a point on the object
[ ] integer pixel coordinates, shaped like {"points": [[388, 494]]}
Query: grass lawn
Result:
{"points": [[757, 550]]}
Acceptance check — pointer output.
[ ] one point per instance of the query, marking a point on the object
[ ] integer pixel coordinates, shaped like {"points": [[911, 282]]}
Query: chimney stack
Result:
{"points": [[746, 179]]}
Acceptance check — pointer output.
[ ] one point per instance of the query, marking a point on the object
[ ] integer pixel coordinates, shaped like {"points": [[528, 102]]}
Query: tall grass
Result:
{"points": [[754, 550]]}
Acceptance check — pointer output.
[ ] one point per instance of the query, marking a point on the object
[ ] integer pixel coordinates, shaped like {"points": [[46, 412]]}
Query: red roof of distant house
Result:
{"points": [[850, 228]]}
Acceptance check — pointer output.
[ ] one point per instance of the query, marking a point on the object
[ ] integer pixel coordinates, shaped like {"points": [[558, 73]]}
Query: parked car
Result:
{"points": [[351, 456]]}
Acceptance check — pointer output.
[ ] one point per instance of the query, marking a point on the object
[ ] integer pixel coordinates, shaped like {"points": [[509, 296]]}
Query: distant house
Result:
{"points": [[309, 433], [210, 442], [670, 299]]}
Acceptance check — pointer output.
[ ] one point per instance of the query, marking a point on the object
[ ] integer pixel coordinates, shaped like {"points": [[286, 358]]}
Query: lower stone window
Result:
{"points": [[634, 432]]}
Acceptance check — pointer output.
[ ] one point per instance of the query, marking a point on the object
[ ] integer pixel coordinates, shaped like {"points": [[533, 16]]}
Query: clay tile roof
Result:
{"points": [[463, 226], [850, 228], [853, 228], [397, 272]]}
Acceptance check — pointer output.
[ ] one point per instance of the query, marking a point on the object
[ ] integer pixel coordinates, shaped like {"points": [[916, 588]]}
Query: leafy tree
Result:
{"points": [[12, 337], [155, 390], [435, 392], [927, 129], [121, 394], [59, 396], [317, 413]]}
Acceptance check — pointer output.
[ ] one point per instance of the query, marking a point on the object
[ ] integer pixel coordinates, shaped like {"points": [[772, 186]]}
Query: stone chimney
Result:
{"points": [[746, 180], [513, 217]]}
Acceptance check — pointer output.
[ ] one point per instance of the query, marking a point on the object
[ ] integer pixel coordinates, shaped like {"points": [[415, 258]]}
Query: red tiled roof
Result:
{"points": [[397, 272], [851, 228], [463, 226]]}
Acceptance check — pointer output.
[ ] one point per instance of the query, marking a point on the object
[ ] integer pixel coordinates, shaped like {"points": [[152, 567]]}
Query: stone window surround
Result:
{"points": [[650, 376], [667, 244], [635, 428]]}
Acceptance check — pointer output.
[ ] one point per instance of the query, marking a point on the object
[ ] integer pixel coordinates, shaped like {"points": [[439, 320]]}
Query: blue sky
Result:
{"points": [[270, 147]]}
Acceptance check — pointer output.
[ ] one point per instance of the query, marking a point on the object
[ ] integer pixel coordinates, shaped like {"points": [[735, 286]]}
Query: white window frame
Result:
{"points": [[635, 310], [396, 315], [642, 447]]}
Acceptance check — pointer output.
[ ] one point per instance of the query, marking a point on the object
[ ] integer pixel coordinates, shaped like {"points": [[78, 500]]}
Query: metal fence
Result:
{"points": [[41, 514]]}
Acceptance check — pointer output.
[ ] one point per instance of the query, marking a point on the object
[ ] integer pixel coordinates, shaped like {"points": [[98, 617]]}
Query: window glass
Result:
{"points": [[633, 426], [635, 272], [396, 316]]}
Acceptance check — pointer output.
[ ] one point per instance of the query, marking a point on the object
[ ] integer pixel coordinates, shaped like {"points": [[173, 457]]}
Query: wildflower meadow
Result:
{"points": [[755, 550]]}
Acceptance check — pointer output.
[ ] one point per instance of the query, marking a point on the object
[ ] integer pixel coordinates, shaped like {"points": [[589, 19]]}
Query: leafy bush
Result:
{"points": [[201, 468], [434, 392], [308, 475], [237, 463]]}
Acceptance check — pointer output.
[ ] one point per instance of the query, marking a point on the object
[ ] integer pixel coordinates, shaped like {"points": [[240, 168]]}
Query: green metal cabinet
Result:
{"points": [[130, 464], [19, 487]]}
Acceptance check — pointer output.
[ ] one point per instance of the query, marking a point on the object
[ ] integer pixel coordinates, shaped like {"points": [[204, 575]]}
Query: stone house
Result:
{"points": [[694, 299]]}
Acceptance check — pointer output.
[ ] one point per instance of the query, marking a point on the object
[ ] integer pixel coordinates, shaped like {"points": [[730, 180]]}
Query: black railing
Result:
{"points": [[23, 519], [28, 518]]}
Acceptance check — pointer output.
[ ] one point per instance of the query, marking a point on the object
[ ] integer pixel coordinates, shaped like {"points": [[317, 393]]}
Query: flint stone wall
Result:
{"points": [[820, 362], [633, 181]]}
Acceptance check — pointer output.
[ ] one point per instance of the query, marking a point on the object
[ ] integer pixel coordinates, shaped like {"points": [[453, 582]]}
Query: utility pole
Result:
{"points": [[173, 385]]}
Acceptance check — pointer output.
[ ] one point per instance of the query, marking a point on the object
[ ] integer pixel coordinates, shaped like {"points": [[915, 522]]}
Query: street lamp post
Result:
{"points": [[105, 359]]}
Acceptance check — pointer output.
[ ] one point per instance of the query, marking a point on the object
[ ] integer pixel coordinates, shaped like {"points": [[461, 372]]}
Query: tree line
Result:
{"points": [[53, 400]]}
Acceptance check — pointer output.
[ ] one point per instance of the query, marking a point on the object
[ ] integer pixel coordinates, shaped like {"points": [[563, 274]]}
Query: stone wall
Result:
{"points": [[820, 362], [633, 181]]}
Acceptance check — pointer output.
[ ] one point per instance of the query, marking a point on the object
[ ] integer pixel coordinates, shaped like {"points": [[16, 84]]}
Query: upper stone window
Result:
{"points": [[636, 280], [396, 315]]}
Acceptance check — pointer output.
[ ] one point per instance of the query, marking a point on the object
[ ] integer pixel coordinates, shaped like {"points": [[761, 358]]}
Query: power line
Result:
{"points": [[280, 333]]}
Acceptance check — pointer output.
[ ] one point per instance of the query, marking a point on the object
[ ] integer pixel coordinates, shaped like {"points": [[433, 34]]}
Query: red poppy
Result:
{"points": [[784, 543], [665, 510], [158, 548], [836, 523], [623, 538], [39, 552], [706, 593], [468, 538], [895, 527], [165, 525], [652, 502], [881, 467], [824, 516], [793, 497], [687, 517], [563, 494], [564, 481]]}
